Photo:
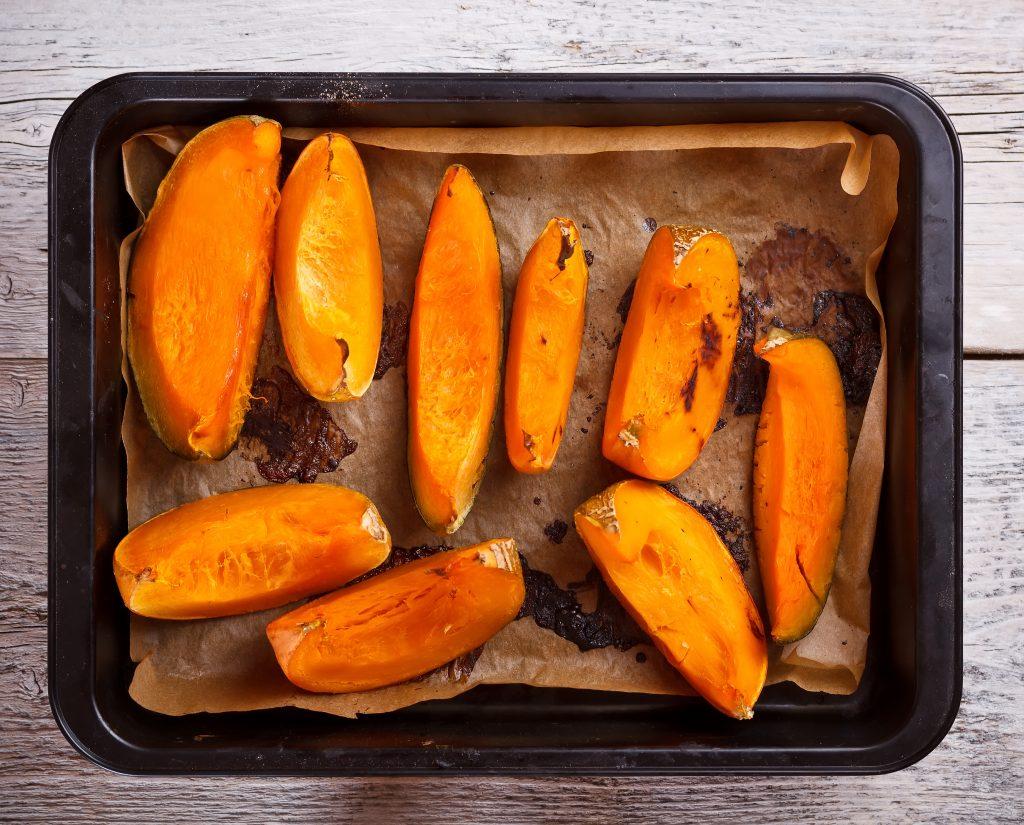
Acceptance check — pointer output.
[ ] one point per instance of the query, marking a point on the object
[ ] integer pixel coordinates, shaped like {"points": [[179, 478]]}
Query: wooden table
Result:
{"points": [[970, 56]]}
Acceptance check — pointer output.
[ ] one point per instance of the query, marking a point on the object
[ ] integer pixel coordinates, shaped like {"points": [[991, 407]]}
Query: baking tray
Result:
{"points": [[911, 688]]}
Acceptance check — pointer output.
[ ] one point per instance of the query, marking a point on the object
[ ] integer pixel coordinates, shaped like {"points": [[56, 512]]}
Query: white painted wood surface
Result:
{"points": [[970, 56]]}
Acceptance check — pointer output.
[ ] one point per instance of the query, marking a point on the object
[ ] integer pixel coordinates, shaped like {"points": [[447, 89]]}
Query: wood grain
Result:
{"points": [[972, 62]]}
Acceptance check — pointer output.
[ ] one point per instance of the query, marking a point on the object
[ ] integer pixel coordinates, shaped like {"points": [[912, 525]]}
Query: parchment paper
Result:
{"points": [[741, 179]]}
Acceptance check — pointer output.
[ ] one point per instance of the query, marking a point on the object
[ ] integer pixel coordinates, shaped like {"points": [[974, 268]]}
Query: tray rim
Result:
{"points": [[92, 112]]}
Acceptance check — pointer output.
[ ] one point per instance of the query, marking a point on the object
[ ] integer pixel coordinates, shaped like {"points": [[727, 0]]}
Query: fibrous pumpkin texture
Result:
{"points": [[454, 360], [673, 363], [402, 623], [249, 550], [199, 284], [800, 478], [328, 281], [673, 574], [544, 346]]}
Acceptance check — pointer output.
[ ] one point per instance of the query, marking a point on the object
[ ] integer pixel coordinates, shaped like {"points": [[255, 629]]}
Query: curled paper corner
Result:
{"points": [[858, 163], [863, 147]]}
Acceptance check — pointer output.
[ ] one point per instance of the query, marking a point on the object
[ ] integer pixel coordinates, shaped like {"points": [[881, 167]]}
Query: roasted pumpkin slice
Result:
{"points": [[454, 361], [328, 281], [402, 623], [249, 550], [670, 570], [800, 475], [199, 284], [673, 363], [544, 346]]}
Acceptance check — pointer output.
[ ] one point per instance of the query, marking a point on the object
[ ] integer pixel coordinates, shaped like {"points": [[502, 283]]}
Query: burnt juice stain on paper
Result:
{"points": [[460, 669], [786, 269], [394, 338], [749, 373], [556, 530], [289, 435], [846, 321], [559, 610]]}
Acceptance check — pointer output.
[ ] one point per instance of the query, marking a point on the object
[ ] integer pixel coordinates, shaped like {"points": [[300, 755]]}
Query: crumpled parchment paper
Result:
{"points": [[617, 184]]}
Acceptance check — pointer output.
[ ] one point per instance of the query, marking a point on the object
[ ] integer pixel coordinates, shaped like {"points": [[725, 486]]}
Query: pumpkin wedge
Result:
{"points": [[800, 476], [249, 550], [544, 346], [673, 363], [673, 574], [199, 284], [401, 623], [454, 359], [328, 280]]}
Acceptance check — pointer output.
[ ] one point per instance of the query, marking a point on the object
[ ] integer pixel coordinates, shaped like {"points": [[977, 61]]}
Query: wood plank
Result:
{"points": [[976, 774], [916, 40], [23, 245], [971, 62]]}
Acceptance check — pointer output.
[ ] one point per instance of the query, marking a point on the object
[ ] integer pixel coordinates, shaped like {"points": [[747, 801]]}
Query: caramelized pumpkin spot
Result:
{"points": [[290, 435]]}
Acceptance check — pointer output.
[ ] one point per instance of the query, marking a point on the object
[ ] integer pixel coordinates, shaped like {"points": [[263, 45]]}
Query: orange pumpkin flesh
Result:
{"points": [[248, 550], [670, 570], [544, 346], [402, 623], [800, 476], [199, 284], [673, 363], [454, 359], [328, 281]]}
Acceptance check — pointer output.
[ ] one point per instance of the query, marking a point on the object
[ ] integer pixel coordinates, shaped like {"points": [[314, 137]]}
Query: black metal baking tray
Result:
{"points": [[911, 689]]}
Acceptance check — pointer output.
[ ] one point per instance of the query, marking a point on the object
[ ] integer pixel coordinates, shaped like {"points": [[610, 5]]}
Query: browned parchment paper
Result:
{"points": [[741, 179]]}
